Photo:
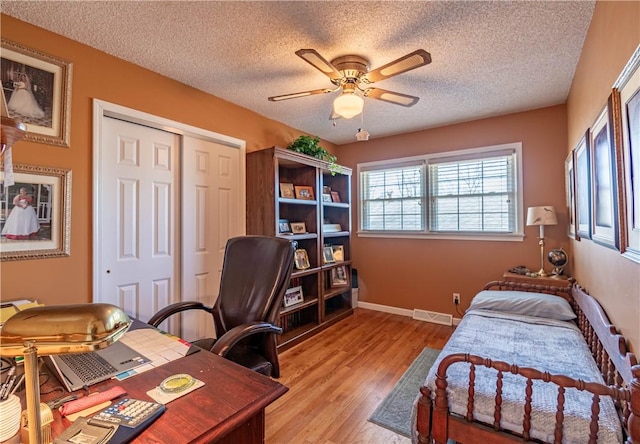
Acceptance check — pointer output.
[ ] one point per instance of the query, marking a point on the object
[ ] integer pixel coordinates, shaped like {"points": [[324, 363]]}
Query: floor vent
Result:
{"points": [[433, 317]]}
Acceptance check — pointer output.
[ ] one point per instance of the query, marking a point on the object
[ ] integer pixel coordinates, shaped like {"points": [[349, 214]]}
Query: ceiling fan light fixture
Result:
{"points": [[348, 105]]}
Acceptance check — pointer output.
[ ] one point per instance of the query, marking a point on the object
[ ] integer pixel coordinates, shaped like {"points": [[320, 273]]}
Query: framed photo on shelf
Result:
{"points": [[36, 213], [286, 190], [301, 259], [339, 276], [326, 190], [338, 253], [37, 88], [284, 227], [298, 227], [570, 196], [326, 198], [604, 190], [304, 192], [583, 187], [327, 255], [628, 127], [293, 296], [335, 196]]}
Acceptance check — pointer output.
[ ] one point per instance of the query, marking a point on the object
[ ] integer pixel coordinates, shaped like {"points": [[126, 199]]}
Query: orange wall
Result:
{"points": [[423, 273], [613, 35], [98, 75]]}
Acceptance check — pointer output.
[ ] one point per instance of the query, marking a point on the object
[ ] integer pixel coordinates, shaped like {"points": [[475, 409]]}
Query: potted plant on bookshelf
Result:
{"points": [[311, 146]]}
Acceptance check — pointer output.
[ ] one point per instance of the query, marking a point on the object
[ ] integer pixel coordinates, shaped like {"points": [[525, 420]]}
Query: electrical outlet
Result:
{"points": [[456, 298]]}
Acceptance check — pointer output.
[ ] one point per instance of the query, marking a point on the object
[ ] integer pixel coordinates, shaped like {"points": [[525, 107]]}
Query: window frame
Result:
{"points": [[517, 235]]}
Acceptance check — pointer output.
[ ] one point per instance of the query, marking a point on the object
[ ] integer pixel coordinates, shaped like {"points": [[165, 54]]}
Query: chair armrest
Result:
{"points": [[172, 309], [239, 332]]}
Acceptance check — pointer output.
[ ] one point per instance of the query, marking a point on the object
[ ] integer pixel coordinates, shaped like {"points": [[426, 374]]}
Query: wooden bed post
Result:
{"points": [[425, 407], [633, 424]]}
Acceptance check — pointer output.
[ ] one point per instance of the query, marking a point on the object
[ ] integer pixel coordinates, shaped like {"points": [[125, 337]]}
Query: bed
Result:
{"points": [[531, 363]]}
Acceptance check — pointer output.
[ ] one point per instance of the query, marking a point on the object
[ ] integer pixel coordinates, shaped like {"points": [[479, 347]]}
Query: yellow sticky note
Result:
{"points": [[6, 311]]}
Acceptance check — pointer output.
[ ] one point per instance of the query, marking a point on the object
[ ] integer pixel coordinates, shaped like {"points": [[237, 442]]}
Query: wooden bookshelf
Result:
{"points": [[326, 290]]}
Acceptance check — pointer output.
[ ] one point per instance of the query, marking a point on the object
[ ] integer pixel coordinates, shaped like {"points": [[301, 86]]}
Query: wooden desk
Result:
{"points": [[228, 409], [558, 281]]}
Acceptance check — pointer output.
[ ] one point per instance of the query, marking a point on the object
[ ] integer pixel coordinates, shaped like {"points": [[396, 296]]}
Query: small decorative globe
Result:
{"points": [[558, 259]]}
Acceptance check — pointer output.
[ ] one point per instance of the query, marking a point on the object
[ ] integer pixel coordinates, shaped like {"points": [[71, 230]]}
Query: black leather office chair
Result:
{"points": [[255, 276]]}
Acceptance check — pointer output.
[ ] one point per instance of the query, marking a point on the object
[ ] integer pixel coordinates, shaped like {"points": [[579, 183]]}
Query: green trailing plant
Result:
{"points": [[311, 146]]}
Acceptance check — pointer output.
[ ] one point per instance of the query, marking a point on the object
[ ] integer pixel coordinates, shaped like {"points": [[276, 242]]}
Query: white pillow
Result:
{"points": [[525, 303]]}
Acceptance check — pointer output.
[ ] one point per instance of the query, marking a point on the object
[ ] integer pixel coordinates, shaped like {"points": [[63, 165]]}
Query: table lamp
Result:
{"points": [[541, 216], [53, 330]]}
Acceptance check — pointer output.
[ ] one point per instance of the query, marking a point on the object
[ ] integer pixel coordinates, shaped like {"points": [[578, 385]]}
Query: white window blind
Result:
{"points": [[470, 193], [393, 198], [475, 195]]}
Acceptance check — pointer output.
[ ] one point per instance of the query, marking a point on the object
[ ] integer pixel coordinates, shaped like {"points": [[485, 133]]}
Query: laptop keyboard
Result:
{"points": [[89, 366]]}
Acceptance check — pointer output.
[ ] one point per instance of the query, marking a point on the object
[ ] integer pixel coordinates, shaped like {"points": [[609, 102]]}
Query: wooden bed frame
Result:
{"points": [[619, 367]]}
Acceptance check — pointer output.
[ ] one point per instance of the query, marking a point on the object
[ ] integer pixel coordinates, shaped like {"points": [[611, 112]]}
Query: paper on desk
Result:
{"points": [[164, 398], [157, 346]]}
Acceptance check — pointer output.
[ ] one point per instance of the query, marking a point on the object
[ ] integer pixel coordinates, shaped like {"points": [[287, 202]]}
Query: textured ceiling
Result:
{"points": [[489, 58]]}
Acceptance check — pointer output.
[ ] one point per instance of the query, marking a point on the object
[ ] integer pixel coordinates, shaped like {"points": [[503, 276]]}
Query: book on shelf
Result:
{"points": [[331, 228]]}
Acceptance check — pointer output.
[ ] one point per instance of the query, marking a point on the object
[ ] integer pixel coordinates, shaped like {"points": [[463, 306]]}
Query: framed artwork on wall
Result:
{"points": [[627, 127], [37, 88], [570, 196], [604, 188], [35, 213], [583, 187]]}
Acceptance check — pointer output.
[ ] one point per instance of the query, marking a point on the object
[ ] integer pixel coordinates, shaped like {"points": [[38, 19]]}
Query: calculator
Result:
{"points": [[131, 416], [117, 424]]}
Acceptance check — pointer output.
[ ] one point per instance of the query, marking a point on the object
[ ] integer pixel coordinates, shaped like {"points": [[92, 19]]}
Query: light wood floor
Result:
{"points": [[337, 378]]}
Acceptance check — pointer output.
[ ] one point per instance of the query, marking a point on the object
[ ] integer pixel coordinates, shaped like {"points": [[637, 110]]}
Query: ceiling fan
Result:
{"points": [[350, 73]]}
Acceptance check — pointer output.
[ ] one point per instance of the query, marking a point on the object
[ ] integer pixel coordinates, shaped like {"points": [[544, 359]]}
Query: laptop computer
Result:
{"points": [[80, 370]]}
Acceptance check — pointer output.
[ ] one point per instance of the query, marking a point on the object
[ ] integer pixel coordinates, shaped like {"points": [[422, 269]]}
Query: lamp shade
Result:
{"points": [[544, 215], [61, 329], [348, 105]]}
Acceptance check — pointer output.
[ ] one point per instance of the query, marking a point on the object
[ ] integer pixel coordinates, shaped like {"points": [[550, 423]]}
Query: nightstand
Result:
{"points": [[558, 281]]}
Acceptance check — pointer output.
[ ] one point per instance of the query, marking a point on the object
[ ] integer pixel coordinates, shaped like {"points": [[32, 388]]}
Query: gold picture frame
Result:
{"points": [[338, 253], [327, 255], [48, 196], [286, 190], [37, 88], [301, 259], [626, 123]]}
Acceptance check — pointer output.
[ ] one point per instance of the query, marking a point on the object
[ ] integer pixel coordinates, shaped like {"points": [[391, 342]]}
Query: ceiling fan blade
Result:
{"points": [[300, 94], [391, 97], [312, 57], [403, 64]]}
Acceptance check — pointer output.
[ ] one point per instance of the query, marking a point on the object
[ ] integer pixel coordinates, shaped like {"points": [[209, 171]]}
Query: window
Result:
{"points": [[474, 192]]}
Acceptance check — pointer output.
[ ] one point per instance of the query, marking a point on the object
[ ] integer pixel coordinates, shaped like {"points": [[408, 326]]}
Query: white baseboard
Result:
{"points": [[386, 308], [395, 310]]}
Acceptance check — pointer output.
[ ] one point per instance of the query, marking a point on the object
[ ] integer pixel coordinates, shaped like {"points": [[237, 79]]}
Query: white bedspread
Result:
{"points": [[546, 345]]}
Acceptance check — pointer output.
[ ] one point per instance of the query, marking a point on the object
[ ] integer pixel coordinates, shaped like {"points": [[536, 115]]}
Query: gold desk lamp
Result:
{"points": [[54, 330], [541, 216]]}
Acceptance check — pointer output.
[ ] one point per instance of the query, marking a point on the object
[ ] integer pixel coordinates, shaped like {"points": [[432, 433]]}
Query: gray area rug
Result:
{"points": [[394, 412]]}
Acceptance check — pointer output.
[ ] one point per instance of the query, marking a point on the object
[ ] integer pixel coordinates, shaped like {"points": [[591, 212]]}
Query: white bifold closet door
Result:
{"points": [[168, 204]]}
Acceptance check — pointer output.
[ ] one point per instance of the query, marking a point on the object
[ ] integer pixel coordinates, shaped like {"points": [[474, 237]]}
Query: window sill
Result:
{"points": [[502, 237]]}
